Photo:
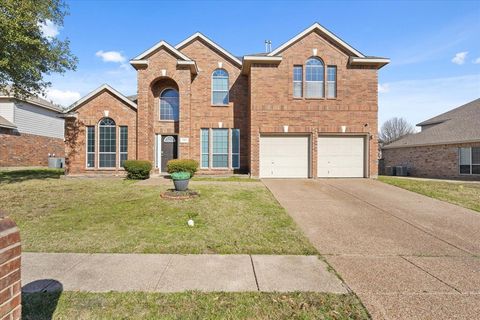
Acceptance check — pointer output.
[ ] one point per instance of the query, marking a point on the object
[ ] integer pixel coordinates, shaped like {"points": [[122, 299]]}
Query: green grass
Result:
{"points": [[191, 305], [225, 179], [29, 174], [463, 194], [115, 215]]}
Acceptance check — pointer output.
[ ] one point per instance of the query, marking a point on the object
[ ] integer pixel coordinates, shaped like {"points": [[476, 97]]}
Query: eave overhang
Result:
{"points": [[249, 60], [375, 62]]}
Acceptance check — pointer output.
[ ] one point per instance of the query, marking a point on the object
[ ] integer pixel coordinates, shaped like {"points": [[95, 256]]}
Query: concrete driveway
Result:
{"points": [[407, 256]]}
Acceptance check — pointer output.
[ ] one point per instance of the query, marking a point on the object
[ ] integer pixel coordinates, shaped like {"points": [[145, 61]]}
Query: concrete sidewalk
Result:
{"points": [[176, 273]]}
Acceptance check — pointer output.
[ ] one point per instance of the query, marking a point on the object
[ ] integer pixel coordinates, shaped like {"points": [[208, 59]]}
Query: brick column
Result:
{"points": [[10, 261]]}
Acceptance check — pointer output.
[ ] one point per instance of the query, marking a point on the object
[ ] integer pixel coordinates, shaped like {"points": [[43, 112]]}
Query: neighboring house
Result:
{"points": [[30, 130], [447, 147], [306, 109]]}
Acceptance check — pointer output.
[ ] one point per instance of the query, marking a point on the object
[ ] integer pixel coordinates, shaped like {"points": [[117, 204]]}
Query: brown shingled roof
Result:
{"points": [[459, 125]]}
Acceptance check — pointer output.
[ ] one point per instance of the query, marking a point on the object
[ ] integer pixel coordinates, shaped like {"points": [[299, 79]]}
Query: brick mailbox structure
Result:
{"points": [[10, 262]]}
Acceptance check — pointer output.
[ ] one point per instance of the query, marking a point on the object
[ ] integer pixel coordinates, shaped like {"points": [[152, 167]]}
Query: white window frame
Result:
{"points": [[227, 90], [201, 148], [297, 81], [87, 136], [231, 148], [119, 145], [228, 148], [322, 96], [160, 105], [327, 95], [471, 162], [99, 140]]}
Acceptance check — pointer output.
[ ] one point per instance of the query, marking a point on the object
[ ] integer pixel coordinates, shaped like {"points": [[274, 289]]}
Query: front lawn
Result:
{"points": [[463, 194], [115, 215], [191, 305]]}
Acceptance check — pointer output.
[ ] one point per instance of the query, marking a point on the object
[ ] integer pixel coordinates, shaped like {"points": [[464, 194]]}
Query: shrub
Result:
{"points": [[137, 169], [182, 165], [180, 175]]}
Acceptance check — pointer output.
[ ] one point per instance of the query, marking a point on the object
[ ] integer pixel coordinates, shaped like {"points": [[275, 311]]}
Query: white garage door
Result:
{"points": [[284, 157], [340, 157]]}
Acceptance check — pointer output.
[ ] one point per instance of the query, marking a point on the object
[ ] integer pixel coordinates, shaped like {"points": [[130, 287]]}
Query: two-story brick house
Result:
{"points": [[306, 109]]}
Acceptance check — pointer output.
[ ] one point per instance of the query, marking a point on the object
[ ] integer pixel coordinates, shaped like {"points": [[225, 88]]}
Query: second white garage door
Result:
{"points": [[284, 157], [340, 157]]}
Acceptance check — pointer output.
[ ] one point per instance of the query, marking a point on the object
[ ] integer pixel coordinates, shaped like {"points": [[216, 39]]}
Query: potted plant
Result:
{"points": [[180, 180], [181, 170]]}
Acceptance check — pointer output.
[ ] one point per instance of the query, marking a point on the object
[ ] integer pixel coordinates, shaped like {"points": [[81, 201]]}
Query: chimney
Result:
{"points": [[268, 46]]}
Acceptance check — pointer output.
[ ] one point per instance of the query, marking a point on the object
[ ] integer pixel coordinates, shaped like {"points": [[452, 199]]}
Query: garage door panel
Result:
{"points": [[340, 157], [284, 157]]}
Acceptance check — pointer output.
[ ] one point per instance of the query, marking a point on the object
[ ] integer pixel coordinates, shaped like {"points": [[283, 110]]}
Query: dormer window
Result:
{"points": [[314, 78], [220, 87]]}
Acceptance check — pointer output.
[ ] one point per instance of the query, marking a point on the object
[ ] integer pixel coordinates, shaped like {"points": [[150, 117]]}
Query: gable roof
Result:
{"points": [[159, 45], [103, 87], [459, 125], [199, 35], [318, 27], [4, 123], [35, 100]]}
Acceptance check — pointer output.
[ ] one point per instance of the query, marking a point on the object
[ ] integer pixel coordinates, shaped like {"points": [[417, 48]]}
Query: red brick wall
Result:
{"points": [[440, 161], [20, 149], [89, 115], [10, 261], [196, 110], [273, 105]]}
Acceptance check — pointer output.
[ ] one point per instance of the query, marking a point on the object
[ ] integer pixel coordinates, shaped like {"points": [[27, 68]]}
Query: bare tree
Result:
{"points": [[394, 129]]}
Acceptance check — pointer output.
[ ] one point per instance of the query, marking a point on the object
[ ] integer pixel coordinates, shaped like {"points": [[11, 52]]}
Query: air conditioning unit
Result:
{"points": [[390, 171], [54, 162], [401, 171]]}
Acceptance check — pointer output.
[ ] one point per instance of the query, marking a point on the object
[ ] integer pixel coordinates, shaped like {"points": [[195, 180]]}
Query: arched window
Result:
{"points": [[108, 143], [314, 78], [220, 87], [169, 105]]}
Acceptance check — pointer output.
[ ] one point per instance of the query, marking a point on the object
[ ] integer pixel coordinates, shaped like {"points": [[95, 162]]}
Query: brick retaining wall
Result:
{"points": [[10, 261]]}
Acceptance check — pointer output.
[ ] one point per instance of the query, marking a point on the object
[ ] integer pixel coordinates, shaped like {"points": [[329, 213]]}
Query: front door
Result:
{"points": [[168, 150]]}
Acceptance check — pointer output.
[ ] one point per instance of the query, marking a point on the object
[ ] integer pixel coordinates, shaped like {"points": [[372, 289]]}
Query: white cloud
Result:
{"points": [[110, 56], [49, 29], [460, 57], [420, 99], [383, 88], [477, 61], [63, 98]]}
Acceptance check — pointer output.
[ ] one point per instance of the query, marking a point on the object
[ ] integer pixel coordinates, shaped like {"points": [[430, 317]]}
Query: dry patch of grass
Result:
{"points": [[463, 194], [191, 305], [115, 215]]}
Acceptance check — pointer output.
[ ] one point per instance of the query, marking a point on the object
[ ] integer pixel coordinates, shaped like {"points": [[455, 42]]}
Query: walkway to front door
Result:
{"points": [[167, 149], [407, 256]]}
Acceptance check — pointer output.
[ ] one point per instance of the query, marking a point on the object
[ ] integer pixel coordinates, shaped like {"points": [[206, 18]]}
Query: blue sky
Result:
{"points": [[434, 46]]}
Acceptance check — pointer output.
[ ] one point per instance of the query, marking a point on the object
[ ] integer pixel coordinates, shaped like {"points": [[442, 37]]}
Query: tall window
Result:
{"points": [[331, 82], [169, 105], [314, 78], [297, 81], [108, 139], [123, 144], [205, 148], [220, 148], [236, 148], [90, 147], [220, 87], [469, 160]]}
